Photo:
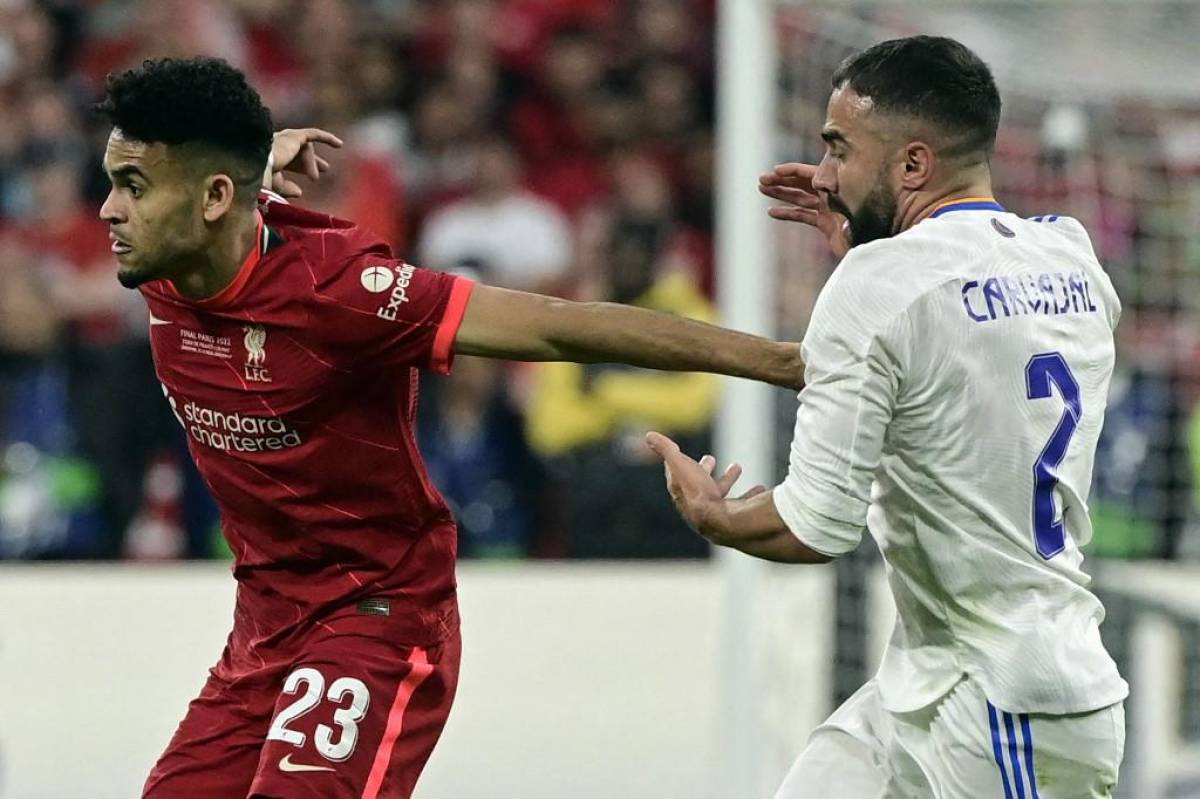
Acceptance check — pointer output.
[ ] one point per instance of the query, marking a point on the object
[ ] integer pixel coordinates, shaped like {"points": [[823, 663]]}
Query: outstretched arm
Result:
{"points": [[515, 325]]}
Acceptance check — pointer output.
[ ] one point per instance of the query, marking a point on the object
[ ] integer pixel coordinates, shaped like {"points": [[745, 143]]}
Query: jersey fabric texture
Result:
{"points": [[956, 381], [296, 387], [960, 747], [373, 709]]}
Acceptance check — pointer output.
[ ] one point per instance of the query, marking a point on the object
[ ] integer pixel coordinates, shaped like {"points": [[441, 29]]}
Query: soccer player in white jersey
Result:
{"points": [[957, 364]]}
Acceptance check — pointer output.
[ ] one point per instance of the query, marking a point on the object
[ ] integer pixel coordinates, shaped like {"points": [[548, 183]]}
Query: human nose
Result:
{"points": [[825, 178], [111, 211]]}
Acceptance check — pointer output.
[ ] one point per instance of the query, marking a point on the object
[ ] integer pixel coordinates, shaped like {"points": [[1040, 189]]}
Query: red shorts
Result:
{"points": [[343, 711]]}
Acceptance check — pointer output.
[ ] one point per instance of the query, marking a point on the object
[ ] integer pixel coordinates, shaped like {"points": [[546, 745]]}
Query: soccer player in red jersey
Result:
{"points": [[288, 344]]}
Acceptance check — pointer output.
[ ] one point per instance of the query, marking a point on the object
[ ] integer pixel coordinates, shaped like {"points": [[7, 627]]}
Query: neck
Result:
{"points": [[920, 204], [216, 266]]}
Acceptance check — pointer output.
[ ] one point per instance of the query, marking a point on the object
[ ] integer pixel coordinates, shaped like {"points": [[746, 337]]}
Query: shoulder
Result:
{"points": [[333, 250], [911, 261], [875, 282], [1067, 227], [1074, 236]]}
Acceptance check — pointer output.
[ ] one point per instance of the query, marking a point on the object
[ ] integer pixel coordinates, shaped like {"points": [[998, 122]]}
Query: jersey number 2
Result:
{"points": [[1042, 372]]}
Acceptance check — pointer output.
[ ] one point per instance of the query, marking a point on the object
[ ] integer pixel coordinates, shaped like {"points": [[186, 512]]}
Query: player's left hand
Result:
{"points": [[294, 150], [699, 497]]}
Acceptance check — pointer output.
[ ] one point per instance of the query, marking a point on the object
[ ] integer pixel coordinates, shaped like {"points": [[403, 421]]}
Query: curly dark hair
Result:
{"points": [[932, 78], [202, 101]]}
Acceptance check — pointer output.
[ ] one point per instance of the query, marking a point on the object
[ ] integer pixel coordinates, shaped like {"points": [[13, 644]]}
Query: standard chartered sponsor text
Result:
{"points": [[233, 431]]}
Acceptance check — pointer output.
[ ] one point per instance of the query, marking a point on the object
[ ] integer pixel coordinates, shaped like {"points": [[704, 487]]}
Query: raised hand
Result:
{"points": [[791, 183], [294, 150]]}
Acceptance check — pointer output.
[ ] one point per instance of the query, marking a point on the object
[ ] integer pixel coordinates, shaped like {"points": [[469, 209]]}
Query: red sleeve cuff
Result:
{"points": [[443, 342]]}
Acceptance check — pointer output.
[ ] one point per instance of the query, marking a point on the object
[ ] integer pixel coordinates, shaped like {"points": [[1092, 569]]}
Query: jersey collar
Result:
{"points": [[966, 204]]}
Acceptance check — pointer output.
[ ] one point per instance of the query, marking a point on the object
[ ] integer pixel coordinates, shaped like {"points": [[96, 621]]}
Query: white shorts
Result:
{"points": [[960, 747]]}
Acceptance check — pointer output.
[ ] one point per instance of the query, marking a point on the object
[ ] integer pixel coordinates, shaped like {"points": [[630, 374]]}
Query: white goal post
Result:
{"points": [[746, 91]]}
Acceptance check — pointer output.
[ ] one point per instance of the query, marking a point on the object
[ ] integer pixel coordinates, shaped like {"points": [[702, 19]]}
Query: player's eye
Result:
{"points": [[135, 190]]}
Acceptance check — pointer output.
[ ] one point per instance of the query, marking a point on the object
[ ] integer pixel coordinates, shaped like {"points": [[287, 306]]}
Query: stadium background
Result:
{"points": [[567, 146]]}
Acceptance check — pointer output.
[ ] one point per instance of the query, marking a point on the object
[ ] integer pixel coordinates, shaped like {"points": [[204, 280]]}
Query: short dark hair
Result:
{"points": [[202, 101], [931, 78]]}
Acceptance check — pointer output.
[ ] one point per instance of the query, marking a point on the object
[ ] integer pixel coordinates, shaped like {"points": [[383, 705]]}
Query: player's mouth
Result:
{"points": [[835, 204], [119, 247]]}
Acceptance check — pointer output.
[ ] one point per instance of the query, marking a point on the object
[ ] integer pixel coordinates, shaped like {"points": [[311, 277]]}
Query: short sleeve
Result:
{"points": [[374, 310], [852, 375]]}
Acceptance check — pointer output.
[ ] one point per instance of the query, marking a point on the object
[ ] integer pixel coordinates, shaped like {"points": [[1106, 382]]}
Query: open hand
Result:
{"points": [[699, 497], [294, 150], [791, 183]]}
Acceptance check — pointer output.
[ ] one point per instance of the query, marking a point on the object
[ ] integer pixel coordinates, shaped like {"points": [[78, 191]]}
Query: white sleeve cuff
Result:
{"points": [[830, 537], [266, 196]]}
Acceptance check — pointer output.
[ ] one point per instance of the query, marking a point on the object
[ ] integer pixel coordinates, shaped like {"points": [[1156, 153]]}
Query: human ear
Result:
{"points": [[218, 196], [919, 162]]}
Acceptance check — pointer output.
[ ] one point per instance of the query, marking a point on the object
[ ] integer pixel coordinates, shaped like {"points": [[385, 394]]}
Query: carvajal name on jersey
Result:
{"points": [[1046, 293]]}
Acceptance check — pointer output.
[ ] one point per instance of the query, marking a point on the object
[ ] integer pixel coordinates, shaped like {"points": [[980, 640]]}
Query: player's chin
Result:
{"points": [[131, 275]]}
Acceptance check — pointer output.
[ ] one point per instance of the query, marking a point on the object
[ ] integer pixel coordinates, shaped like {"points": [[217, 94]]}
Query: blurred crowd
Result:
{"points": [[561, 146]]}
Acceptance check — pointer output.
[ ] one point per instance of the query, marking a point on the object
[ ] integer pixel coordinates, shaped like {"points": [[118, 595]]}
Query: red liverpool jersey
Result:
{"points": [[296, 386]]}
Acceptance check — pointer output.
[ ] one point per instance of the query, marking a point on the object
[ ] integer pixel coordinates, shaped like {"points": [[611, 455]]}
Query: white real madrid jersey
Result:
{"points": [[955, 387]]}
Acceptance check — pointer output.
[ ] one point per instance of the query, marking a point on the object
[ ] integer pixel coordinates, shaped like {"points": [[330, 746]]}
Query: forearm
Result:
{"points": [[605, 331], [500, 323], [610, 332], [754, 526]]}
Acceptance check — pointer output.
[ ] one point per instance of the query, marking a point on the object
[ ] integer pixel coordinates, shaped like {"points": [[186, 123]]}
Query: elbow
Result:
{"points": [[809, 556], [790, 549], [792, 371]]}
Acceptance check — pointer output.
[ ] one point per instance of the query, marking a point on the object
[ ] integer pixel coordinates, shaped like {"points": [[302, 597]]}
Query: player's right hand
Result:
{"points": [[791, 183], [698, 495]]}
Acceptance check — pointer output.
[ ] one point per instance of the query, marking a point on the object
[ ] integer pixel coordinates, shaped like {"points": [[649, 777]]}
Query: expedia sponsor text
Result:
{"points": [[399, 295]]}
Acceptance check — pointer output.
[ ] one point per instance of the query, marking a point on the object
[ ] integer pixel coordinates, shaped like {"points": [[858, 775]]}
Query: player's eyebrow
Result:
{"points": [[833, 136], [125, 171]]}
